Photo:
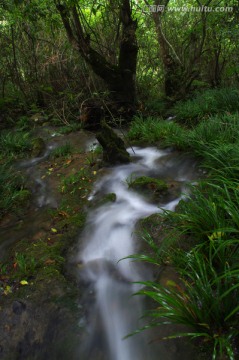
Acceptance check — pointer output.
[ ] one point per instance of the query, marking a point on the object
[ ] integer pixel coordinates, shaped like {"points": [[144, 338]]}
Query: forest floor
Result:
{"points": [[38, 292]]}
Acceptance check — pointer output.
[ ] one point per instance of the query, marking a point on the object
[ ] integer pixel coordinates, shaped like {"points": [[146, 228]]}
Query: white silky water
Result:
{"points": [[110, 236]]}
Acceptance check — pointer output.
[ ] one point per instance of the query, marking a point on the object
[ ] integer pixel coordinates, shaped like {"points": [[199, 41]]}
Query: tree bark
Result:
{"points": [[173, 68]]}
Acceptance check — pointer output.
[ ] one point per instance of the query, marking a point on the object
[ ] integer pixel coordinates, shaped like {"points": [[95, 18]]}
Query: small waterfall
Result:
{"points": [[109, 237]]}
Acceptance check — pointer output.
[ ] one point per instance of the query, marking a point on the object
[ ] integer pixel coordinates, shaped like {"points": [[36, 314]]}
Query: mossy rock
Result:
{"points": [[38, 147], [148, 184], [106, 199], [114, 151]]}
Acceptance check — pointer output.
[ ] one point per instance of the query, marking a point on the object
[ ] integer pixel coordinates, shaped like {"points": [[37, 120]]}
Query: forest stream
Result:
{"points": [[110, 312], [109, 236]]}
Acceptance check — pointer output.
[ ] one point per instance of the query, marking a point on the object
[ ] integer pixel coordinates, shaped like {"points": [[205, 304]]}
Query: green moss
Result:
{"points": [[110, 197], [38, 146], [114, 151], [148, 183]]}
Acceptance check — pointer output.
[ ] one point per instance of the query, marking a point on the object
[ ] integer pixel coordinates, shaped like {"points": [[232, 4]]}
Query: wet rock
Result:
{"points": [[38, 147], [114, 151], [154, 188], [18, 307], [146, 182], [100, 201]]}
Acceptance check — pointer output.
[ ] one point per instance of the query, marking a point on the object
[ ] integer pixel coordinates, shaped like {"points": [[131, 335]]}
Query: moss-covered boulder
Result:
{"points": [[38, 147], [149, 185], [156, 190], [114, 151]]}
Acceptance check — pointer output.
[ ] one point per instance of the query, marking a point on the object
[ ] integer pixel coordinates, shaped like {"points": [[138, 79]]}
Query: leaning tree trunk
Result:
{"points": [[120, 78]]}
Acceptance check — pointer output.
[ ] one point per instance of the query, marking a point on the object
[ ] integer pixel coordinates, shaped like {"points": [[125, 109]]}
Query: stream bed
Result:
{"points": [[109, 237]]}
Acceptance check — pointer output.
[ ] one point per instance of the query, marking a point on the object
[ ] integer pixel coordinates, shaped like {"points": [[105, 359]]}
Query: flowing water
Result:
{"points": [[109, 237]]}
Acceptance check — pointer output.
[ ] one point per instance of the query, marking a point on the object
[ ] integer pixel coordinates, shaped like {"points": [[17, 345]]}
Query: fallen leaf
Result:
{"points": [[49, 262], [53, 230], [63, 213], [24, 282]]}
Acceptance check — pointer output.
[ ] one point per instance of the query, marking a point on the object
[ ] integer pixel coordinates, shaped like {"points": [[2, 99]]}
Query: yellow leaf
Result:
{"points": [[94, 172], [24, 282], [50, 169], [53, 230], [43, 177]]}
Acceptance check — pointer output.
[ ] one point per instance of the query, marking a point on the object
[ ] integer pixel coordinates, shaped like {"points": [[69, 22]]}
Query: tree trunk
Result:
{"points": [[173, 68], [120, 78]]}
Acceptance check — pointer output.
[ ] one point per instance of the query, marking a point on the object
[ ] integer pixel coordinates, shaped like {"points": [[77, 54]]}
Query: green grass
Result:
{"points": [[12, 189], [67, 129], [15, 143], [62, 151], [215, 131], [205, 300], [210, 102], [25, 265], [154, 130]]}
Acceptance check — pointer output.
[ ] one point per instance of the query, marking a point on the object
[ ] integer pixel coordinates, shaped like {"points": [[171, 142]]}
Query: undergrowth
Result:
{"points": [[210, 102]]}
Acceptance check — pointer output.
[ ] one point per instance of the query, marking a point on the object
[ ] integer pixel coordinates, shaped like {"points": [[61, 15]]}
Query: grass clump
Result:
{"points": [[205, 300], [15, 144], [12, 189], [153, 130], [210, 102], [62, 151], [217, 130]]}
